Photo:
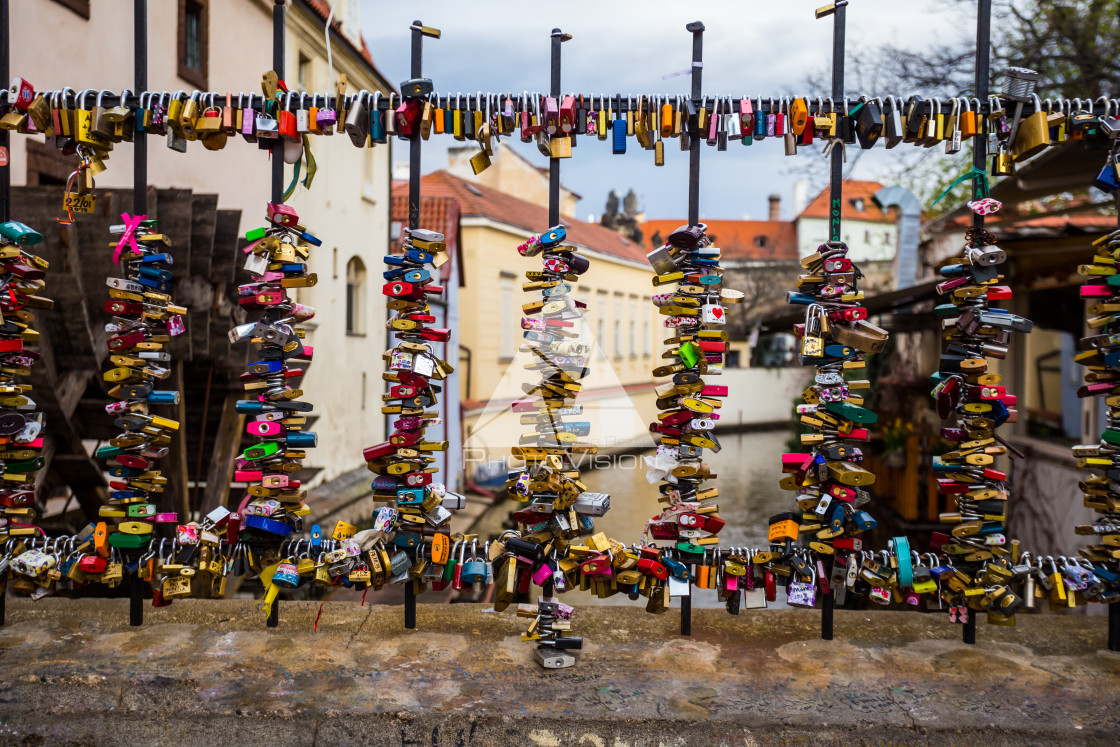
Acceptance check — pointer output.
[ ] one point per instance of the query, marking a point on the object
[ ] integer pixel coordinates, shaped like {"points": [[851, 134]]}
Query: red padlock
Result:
{"points": [[286, 125], [281, 215], [21, 94], [567, 114]]}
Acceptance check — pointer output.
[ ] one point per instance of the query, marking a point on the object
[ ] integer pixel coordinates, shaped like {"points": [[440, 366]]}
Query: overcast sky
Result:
{"points": [[751, 48]]}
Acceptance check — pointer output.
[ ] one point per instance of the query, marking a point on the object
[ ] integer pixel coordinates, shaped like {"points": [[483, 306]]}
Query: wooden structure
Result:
{"points": [[68, 383]]}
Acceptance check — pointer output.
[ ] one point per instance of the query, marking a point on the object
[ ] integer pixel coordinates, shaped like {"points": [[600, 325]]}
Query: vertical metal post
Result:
{"points": [[414, 173], [1113, 626], [140, 82], [277, 181], [139, 207], [979, 161], [697, 29], [278, 65], [836, 179], [835, 206], [558, 38], [5, 197], [5, 76]]}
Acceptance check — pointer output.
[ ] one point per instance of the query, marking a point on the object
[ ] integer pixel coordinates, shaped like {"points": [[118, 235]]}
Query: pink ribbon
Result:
{"points": [[131, 223]]}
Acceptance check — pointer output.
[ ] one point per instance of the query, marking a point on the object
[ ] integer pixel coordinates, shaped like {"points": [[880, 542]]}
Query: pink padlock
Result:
{"points": [[263, 428], [542, 575]]}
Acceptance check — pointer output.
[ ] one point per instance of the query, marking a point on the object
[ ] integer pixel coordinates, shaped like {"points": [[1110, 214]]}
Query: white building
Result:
{"points": [[869, 232], [223, 45]]}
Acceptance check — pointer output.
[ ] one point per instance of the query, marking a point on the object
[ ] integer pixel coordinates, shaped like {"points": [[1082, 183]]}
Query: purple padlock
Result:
{"points": [[326, 119]]}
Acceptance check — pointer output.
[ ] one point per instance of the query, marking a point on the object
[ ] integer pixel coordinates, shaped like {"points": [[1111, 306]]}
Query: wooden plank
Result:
{"points": [[204, 221], [227, 444], [227, 258]]}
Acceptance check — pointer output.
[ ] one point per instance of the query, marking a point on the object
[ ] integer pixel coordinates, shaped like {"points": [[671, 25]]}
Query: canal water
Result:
{"points": [[748, 468]]}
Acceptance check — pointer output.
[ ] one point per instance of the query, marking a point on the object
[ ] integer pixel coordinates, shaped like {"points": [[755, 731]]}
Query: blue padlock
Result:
{"points": [[618, 136]]}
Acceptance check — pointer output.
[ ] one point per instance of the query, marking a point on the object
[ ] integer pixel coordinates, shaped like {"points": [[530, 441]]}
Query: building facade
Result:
{"points": [[225, 46]]}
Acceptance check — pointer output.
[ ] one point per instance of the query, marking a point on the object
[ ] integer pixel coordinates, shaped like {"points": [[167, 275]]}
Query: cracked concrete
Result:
{"points": [[72, 671]]}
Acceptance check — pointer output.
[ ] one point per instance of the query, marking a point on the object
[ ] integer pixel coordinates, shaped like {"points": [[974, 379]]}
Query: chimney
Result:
{"points": [[775, 207]]}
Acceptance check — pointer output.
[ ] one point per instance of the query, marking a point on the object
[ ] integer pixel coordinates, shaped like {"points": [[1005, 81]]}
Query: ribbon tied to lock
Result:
{"points": [[974, 173], [128, 237]]}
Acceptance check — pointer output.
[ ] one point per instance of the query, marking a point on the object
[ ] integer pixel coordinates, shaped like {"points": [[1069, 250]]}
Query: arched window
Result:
{"points": [[355, 296]]}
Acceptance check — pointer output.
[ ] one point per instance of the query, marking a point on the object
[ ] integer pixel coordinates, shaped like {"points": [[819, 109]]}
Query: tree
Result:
{"points": [[1070, 44]]}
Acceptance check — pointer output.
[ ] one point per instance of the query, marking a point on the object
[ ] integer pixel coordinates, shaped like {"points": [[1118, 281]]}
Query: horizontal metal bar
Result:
{"points": [[616, 102]]}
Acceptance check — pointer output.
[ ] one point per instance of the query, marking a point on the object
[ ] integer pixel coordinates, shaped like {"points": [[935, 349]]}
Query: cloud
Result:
{"points": [[750, 48]]}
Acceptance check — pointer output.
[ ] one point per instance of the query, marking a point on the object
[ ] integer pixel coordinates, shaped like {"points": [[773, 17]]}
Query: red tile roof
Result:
{"points": [[436, 214], [319, 8], [477, 199], [853, 191], [771, 240]]}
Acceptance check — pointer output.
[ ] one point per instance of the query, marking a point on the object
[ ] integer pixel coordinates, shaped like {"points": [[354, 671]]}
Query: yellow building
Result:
{"points": [[620, 316]]}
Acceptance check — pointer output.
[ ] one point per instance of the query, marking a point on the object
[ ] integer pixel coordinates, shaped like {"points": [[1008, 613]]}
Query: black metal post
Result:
{"points": [[5, 140], [835, 205], [136, 599], [140, 81], [277, 182], [410, 605], [697, 29], [278, 65], [558, 38], [1113, 626], [5, 201], [980, 161], [836, 178], [139, 207], [419, 31]]}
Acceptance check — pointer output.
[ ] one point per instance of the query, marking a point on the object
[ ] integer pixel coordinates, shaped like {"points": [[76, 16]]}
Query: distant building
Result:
{"points": [[869, 231], [759, 257]]}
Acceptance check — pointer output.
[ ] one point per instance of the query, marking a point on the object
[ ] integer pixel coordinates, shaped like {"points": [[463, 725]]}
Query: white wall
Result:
{"points": [[760, 395], [866, 241], [347, 206]]}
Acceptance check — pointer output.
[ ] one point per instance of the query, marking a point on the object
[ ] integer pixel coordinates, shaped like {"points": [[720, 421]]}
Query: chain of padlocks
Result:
{"points": [[975, 569], [90, 122]]}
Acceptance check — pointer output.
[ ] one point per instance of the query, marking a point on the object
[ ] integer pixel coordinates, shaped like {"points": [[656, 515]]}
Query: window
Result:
{"points": [[355, 296], [334, 264], [858, 204], [363, 390], [645, 337], [194, 42], [867, 237], [47, 165], [304, 72], [505, 326], [633, 327], [760, 241], [81, 7], [618, 326]]}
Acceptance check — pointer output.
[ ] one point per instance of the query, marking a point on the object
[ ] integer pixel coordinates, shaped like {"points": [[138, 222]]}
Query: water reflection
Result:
{"points": [[748, 468]]}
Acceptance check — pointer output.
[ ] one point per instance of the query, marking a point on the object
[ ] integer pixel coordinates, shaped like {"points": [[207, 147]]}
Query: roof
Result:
{"points": [[319, 8], [854, 190], [479, 200], [772, 240], [436, 214]]}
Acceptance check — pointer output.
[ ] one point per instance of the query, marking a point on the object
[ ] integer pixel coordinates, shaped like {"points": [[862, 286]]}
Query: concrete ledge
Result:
{"points": [[209, 672]]}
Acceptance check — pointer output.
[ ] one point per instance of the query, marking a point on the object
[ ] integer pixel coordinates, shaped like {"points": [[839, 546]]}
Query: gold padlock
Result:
{"points": [[1033, 135], [1002, 165]]}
